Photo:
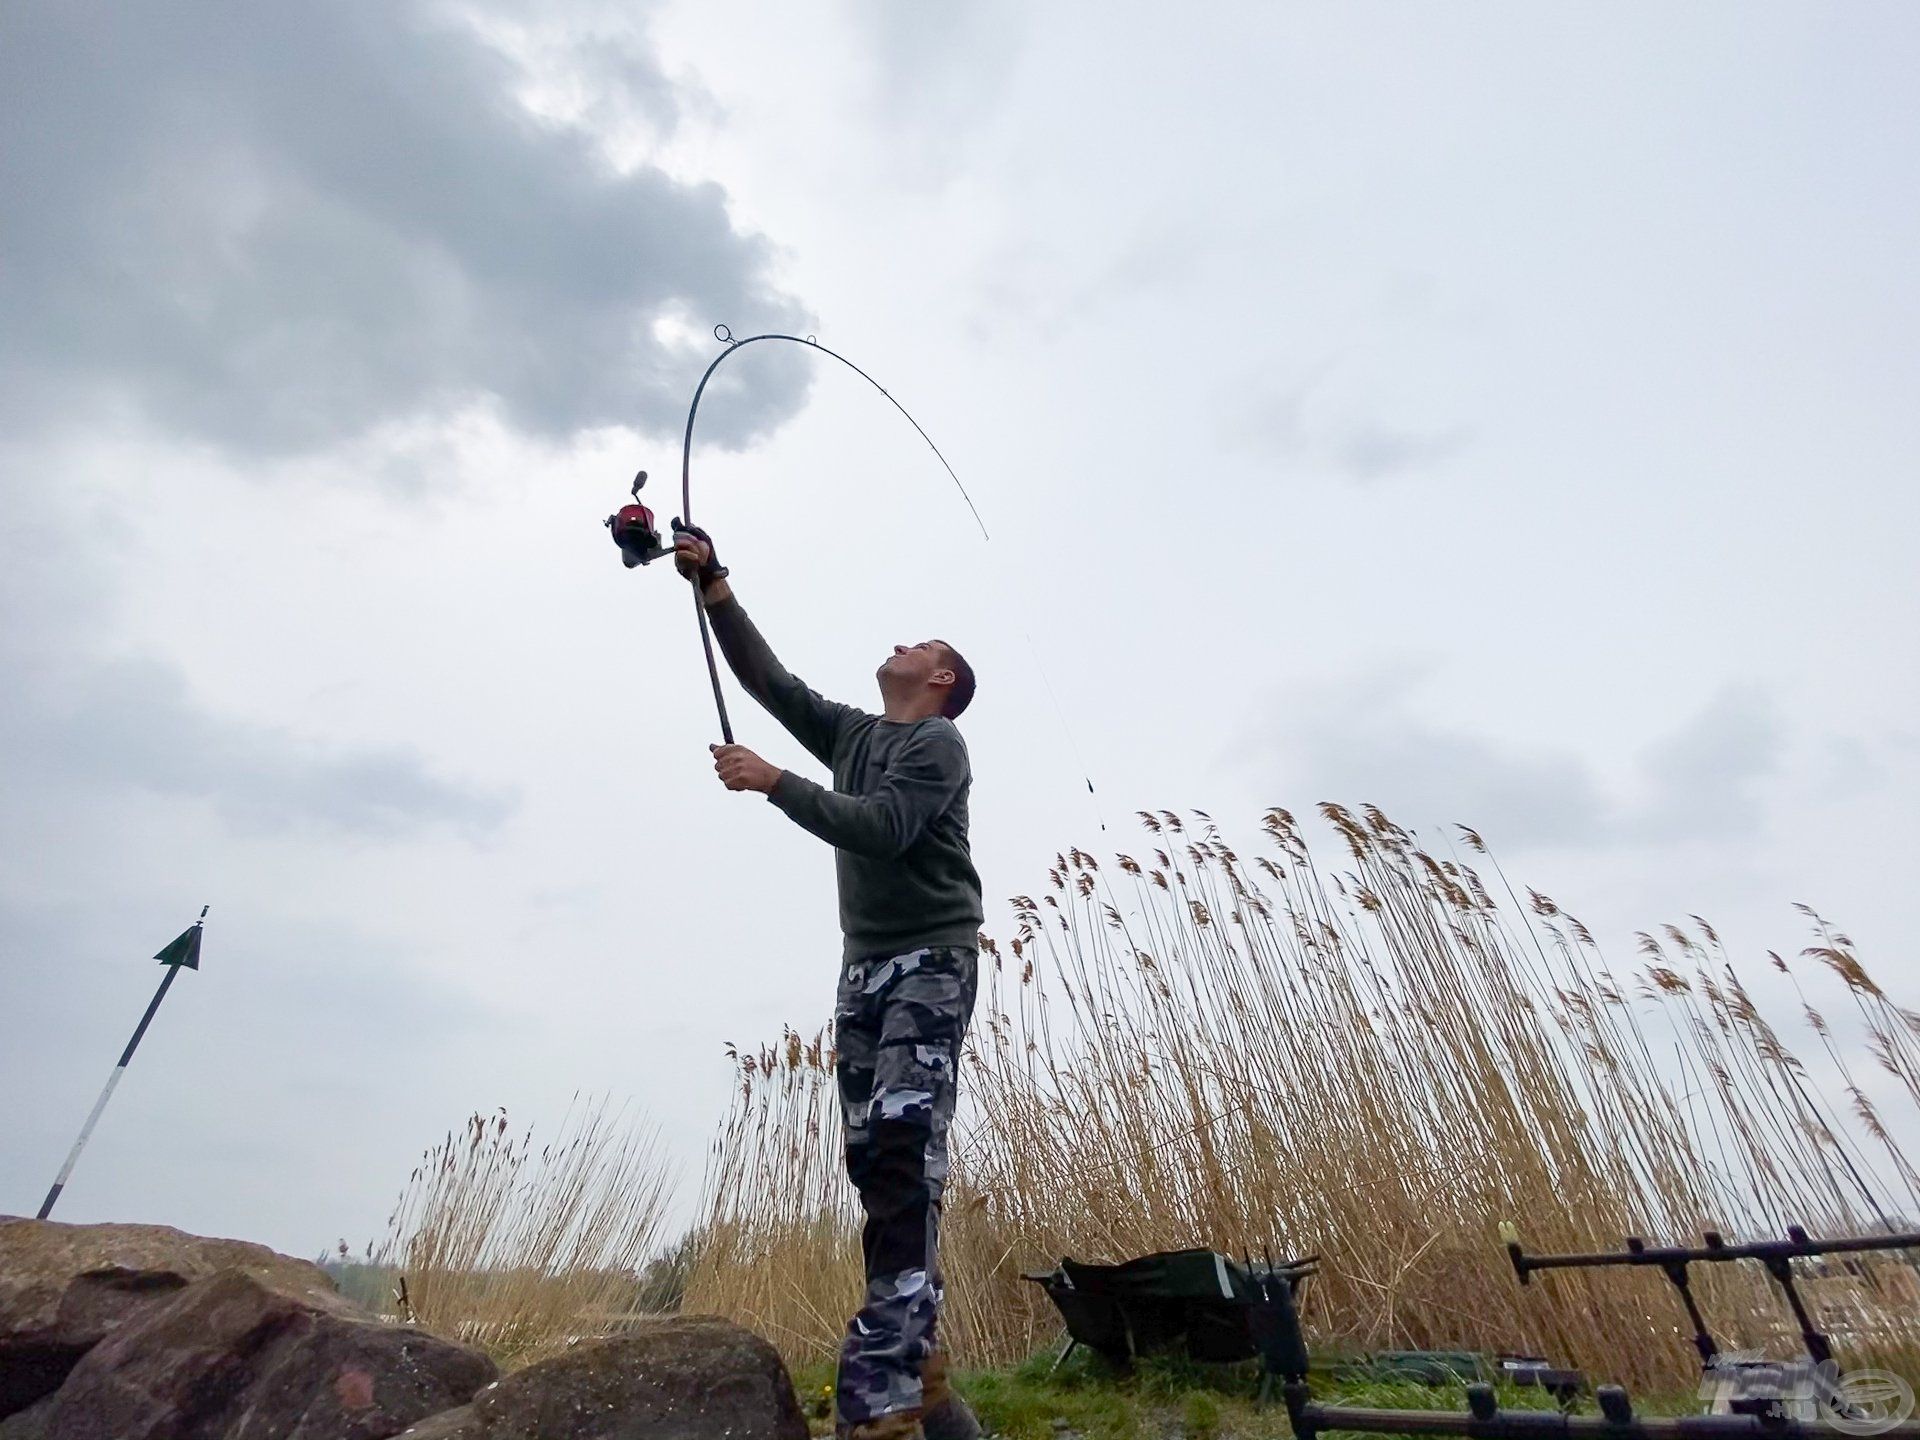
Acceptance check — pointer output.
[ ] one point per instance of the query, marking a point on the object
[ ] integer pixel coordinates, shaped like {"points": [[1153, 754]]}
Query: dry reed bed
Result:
{"points": [[520, 1251], [1379, 1063]]}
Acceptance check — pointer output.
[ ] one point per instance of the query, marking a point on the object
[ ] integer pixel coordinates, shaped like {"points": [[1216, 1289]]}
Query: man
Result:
{"points": [[910, 914]]}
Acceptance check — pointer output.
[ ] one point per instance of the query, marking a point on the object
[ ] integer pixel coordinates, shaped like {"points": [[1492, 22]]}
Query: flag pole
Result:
{"points": [[183, 951]]}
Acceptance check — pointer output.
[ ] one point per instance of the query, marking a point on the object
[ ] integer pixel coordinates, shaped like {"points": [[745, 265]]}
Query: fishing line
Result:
{"points": [[1060, 713]]}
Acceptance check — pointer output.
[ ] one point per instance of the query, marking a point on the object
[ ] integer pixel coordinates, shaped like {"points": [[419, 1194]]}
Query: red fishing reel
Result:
{"points": [[634, 531]]}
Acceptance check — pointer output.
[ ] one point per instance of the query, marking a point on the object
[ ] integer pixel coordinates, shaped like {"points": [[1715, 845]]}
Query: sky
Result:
{"points": [[1503, 414]]}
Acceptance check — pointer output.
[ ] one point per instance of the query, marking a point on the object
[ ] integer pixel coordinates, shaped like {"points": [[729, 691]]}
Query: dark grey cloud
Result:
{"points": [[80, 719], [274, 227], [1706, 778], [127, 724], [1369, 742], [1299, 426]]}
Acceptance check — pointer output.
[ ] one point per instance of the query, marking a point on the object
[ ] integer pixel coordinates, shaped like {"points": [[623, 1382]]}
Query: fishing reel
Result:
{"points": [[634, 531]]}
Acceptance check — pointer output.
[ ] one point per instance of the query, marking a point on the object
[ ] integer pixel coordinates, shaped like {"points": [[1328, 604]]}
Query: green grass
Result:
{"points": [[1200, 1416], [1171, 1398]]}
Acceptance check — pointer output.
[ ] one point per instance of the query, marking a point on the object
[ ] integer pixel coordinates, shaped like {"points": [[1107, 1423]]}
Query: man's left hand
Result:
{"points": [[740, 769]]}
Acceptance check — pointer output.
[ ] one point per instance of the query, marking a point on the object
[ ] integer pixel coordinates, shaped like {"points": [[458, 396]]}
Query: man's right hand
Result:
{"points": [[693, 557], [689, 555]]}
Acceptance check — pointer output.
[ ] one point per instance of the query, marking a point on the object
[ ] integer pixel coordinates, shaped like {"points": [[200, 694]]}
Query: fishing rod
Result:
{"points": [[640, 540], [641, 543]]}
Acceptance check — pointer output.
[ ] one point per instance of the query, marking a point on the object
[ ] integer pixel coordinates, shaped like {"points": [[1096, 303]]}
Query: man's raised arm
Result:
{"points": [[809, 717], [920, 783]]}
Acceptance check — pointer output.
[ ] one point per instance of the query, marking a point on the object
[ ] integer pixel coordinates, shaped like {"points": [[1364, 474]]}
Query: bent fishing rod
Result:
{"points": [[639, 539]]}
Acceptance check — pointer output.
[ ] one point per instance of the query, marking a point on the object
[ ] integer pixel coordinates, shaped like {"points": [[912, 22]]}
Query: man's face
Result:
{"points": [[915, 664]]}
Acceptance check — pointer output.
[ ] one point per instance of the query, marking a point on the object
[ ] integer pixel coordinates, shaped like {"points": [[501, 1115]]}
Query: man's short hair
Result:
{"points": [[960, 695]]}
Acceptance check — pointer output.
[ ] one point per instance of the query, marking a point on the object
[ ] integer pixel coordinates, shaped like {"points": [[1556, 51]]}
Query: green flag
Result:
{"points": [[183, 950]]}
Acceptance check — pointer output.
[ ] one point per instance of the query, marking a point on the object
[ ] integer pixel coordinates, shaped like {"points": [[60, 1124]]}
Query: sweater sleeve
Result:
{"points": [[810, 718], [920, 782]]}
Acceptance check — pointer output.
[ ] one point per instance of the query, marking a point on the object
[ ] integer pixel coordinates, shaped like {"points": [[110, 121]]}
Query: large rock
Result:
{"points": [[64, 1288], [27, 1424], [455, 1424], [674, 1379], [253, 1355]]}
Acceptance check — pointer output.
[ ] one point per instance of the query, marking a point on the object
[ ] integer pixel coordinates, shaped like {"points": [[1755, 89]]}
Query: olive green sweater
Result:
{"points": [[897, 813]]}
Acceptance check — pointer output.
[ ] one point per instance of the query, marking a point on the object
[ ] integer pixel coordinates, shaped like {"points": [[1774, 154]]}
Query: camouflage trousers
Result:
{"points": [[898, 1023]]}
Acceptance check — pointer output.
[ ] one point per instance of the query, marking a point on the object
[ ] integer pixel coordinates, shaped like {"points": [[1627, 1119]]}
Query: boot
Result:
{"points": [[944, 1415], [900, 1425]]}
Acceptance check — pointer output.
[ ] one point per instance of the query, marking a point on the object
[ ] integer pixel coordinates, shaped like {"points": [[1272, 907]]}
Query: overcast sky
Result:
{"points": [[1504, 413]]}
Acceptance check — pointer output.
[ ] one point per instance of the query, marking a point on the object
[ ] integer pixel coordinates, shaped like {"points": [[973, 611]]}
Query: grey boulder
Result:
{"points": [[676, 1378], [247, 1355], [65, 1288]]}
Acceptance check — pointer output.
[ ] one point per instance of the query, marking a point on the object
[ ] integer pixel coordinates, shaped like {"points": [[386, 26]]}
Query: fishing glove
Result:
{"points": [[711, 571]]}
